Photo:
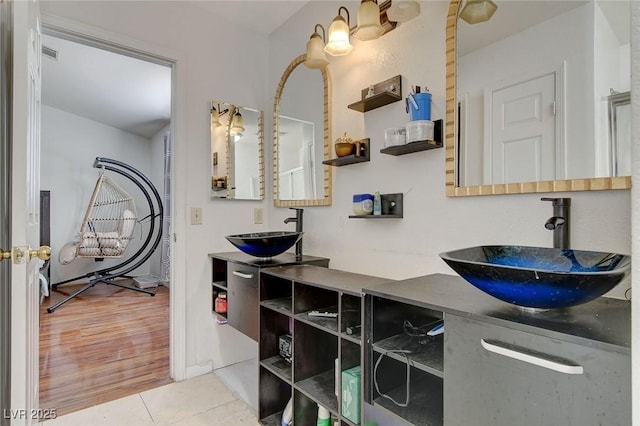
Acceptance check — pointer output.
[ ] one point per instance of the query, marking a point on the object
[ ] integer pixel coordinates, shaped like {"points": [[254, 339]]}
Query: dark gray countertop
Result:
{"points": [[603, 322], [333, 279], [281, 259]]}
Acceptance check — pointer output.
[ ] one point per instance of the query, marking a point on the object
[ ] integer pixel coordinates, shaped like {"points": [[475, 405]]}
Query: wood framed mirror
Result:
{"points": [[301, 137], [573, 113], [237, 152]]}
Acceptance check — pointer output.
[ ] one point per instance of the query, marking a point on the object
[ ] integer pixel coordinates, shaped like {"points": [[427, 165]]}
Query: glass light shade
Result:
{"points": [[403, 10], [338, 44], [237, 124], [316, 58], [476, 11], [215, 117], [369, 27]]}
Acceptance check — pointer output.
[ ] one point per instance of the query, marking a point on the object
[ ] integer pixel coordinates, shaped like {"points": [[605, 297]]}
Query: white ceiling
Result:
{"points": [[131, 94], [512, 17], [113, 89]]}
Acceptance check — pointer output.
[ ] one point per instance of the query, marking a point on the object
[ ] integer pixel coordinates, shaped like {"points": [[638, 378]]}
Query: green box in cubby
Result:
{"points": [[351, 394]]}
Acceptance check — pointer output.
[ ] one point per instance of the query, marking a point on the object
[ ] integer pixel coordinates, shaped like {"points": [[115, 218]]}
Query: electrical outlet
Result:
{"points": [[257, 215], [196, 216]]}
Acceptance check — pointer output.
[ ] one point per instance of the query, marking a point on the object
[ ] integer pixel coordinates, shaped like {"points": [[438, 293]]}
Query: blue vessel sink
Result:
{"points": [[539, 277], [265, 244]]}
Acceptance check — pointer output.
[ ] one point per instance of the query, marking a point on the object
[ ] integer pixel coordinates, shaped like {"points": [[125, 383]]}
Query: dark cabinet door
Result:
{"points": [[496, 376], [242, 299]]}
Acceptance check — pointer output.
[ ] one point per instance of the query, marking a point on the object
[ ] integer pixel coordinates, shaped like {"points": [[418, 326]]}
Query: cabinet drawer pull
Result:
{"points": [[555, 365], [242, 275]]}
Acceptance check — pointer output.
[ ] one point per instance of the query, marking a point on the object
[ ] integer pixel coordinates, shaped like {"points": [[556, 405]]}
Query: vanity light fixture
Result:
{"points": [[216, 114], [403, 10], [316, 58], [476, 11], [237, 124], [338, 44], [369, 27], [215, 117]]}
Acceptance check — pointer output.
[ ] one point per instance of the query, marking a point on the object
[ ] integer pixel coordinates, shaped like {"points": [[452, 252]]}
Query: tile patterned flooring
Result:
{"points": [[202, 400]]}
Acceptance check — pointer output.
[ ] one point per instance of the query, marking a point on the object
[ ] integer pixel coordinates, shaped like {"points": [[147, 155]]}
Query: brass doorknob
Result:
{"points": [[5, 254], [43, 253]]}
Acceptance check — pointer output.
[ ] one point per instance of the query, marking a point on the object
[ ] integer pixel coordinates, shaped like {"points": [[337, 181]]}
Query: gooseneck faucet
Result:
{"points": [[298, 221], [559, 222]]}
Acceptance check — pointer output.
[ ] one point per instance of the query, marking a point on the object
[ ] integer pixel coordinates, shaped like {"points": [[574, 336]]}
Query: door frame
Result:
{"points": [[96, 37], [6, 42]]}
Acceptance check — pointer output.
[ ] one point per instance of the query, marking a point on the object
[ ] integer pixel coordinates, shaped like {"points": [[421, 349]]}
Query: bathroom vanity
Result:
{"points": [[237, 275], [497, 364]]}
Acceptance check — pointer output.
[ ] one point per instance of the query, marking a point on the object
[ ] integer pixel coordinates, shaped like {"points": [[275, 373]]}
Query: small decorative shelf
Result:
{"points": [[385, 92], [360, 157], [391, 208], [418, 145]]}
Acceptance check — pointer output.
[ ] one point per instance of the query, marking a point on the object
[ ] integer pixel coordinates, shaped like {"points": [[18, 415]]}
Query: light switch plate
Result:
{"points": [[196, 216], [258, 216]]}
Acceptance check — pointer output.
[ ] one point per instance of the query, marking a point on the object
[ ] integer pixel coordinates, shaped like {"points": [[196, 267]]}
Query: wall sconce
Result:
{"points": [[237, 124], [403, 10], [316, 58], [369, 27], [216, 114], [476, 11], [338, 44]]}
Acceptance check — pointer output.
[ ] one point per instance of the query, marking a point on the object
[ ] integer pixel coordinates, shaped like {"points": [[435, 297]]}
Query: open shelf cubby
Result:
{"points": [[384, 93], [361, 155], [276, 394], [417, 146]]}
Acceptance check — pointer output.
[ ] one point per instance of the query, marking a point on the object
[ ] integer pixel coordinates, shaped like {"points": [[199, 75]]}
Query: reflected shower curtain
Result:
{"points": [[165, 246]]}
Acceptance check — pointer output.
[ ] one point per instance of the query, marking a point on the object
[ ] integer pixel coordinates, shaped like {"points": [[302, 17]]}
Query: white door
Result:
{"points": [[522, 126], [25, 190]]}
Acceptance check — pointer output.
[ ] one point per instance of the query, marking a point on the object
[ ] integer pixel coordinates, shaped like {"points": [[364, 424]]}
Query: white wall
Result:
{"points": [[432, 223], [70, 144]]}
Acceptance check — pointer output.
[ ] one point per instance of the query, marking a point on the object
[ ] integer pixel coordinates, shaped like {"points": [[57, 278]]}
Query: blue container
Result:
{"points": [[423, 103]]}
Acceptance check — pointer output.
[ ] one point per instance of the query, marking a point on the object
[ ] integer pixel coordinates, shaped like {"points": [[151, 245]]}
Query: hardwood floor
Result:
{"points": [[107, 343]]}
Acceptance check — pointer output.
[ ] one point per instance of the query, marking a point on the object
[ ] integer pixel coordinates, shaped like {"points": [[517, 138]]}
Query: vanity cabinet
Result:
{"points": [[497, 364], [237, 275], [528, 379], [318, 349]]}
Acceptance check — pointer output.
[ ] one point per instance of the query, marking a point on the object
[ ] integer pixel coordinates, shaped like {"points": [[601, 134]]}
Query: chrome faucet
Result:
{"points": [[298, 221], [559, 222]]}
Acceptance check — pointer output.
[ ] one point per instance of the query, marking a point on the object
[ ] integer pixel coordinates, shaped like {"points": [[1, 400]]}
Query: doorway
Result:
{"points": [[95, 106], [522, 131]]}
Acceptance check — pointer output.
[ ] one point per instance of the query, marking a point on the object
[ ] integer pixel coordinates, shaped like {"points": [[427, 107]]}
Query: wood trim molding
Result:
{"points": [[452, 190]]}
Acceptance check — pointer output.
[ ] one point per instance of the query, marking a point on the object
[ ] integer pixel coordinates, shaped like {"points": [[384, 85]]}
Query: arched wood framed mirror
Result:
{"points": [[458, 179], [301, 133]]}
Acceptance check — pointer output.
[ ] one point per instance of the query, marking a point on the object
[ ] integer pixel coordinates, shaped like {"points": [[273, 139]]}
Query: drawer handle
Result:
{"points": [[531, 359], [242, 275]]}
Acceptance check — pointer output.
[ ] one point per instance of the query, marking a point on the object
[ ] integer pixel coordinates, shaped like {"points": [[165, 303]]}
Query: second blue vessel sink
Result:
{"points": [[539, 277], [265, 244]]}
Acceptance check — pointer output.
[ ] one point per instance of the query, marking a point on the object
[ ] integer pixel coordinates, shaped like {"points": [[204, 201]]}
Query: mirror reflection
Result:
{"points": [[533, 92], [237, 164], [301, 137]]}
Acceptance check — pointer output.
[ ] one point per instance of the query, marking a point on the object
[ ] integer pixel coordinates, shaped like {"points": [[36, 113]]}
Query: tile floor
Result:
{"points": [[203, 400]]}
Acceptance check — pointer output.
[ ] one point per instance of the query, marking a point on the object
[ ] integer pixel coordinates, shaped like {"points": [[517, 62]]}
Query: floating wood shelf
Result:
{"points": [[385, 93], [418, 145], [363, 155]]}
